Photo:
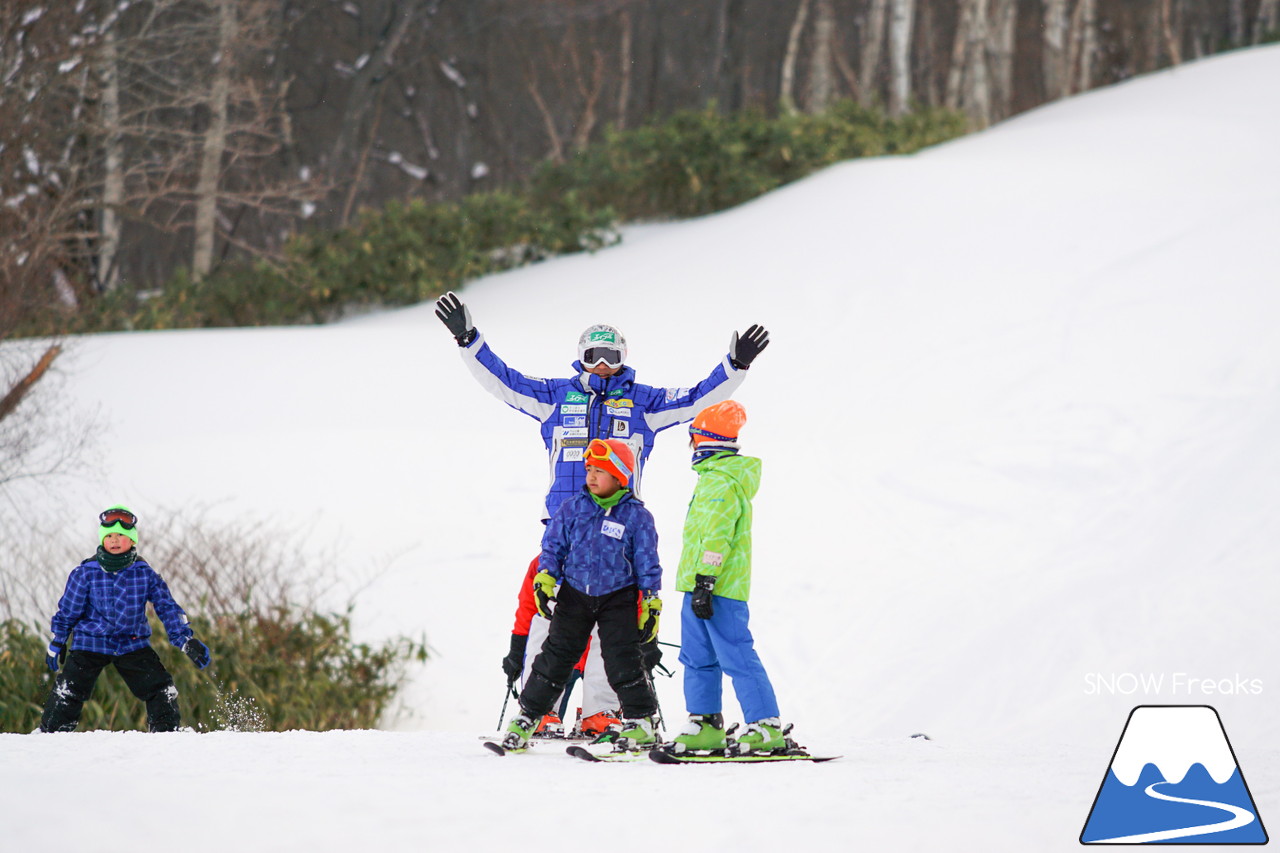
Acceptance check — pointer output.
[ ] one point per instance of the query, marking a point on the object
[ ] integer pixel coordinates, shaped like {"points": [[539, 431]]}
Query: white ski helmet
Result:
{"points": [[602, 343]]}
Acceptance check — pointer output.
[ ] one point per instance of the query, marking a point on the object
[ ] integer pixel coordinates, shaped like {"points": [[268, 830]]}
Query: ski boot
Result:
{"points": [[703, 733], [549, 726], [765, 735], [519, 730], [636, 733], [598, 723]]}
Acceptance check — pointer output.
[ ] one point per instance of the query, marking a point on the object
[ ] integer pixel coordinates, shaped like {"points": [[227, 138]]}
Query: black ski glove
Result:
{"points": [[456, 318], [55, 656], [703, 584], [198, 652], [513, 663], [744, 349]]}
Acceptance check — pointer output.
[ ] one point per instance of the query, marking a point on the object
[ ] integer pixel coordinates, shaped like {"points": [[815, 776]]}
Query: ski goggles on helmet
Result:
{"points": [[609, 356], [602, 452], [706, 433], [122, 517], [714, 436]]}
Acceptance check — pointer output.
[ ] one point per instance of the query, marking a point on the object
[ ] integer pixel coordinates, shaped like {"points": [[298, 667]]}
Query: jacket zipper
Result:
{"points": [[597, 404]]}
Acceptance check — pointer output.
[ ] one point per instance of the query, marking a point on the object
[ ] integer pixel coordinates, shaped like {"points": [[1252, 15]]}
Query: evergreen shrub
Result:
{"points": [[701, 162]]}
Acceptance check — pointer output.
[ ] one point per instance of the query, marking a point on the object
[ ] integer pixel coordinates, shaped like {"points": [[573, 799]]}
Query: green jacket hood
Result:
{"points": [[743, 470]]}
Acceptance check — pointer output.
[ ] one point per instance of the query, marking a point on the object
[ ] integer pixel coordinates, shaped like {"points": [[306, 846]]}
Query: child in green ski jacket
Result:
{"points": [[715, 575]]}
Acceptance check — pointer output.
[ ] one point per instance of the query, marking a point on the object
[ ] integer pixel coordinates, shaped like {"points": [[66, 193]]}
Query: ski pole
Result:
{"points": [[506, 695]]}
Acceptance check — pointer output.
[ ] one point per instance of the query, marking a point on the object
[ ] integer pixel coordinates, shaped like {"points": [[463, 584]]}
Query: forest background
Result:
{"points": [[228, 162]]}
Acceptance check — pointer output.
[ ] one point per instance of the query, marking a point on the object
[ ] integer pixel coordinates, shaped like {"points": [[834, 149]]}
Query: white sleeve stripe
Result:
{"points": [[495, 386], [718, 394]]}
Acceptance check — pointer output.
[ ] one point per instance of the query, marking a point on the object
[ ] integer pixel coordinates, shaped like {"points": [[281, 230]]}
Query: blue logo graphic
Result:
{"points": [[1173, 779]]}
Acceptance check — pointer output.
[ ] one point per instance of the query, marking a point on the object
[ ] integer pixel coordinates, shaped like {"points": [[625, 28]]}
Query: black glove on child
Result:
{"points": [[703, 584], [513, 663], [456, 318], [744, 349], [198, 652]]}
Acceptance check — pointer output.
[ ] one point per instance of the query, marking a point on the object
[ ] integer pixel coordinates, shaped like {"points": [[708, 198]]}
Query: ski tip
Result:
{"points": [[580, 752], [495, 747]]}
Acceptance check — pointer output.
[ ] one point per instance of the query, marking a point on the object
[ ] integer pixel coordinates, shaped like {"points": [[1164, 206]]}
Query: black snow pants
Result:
{"points": [[571, 623], [141, 670]]}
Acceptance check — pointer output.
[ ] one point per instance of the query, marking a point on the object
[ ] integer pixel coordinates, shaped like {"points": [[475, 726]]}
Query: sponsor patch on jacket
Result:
{"points": [[533, 378], [622, 403], [573, 410], [621, 429], [576, 432], [674, 394], [618, 412], [574, 420], [613, 529], [712, 558], [572, 454], [574, 442], [575, 397]]}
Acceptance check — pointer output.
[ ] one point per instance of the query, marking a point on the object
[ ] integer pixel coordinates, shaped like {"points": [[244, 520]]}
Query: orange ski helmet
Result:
{"points": [[612, 456], [719, 423]]}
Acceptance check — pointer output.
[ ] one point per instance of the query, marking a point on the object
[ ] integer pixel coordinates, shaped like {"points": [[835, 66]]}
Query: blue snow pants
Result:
{"points": [[719, 646]]}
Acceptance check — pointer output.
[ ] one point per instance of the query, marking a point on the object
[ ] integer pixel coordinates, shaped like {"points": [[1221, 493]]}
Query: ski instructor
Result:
{"points": [[602, 400]]}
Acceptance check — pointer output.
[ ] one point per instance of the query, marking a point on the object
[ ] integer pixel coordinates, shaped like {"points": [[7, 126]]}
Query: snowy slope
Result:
{"points": [[1018, 427]]}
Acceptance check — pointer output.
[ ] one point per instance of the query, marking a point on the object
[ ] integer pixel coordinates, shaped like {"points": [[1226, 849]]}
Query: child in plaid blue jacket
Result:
{"points": [[105, 608]]}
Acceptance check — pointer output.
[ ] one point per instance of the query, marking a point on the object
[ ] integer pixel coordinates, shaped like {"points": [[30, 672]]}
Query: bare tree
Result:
{"points": [[1084, 45], [967, 80], [1055, 49], [215, 140], [790, 60], [900, 28], [1267, 21], [872, 50], [625, 63], [365, 93], [37, 440], [109, 227], [1169, 28], [821, 88], [1001, 48], [42, 158]]}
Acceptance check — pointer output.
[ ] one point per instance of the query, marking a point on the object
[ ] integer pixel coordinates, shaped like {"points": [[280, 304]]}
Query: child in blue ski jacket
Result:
{"points": [[602, 548], [102, 618]]}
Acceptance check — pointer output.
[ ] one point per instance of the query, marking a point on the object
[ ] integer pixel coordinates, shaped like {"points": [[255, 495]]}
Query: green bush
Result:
{"points": [[284, 670], [410, 252], [400, 255], [701, 162]]}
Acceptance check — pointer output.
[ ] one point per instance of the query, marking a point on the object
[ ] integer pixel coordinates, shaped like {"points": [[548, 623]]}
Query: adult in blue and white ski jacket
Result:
{"points": [[598, 550], [576, 409], [108, 610]]}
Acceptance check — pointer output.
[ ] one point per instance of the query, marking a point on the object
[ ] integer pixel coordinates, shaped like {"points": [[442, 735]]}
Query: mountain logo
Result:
{"points": [[1173, 779]]}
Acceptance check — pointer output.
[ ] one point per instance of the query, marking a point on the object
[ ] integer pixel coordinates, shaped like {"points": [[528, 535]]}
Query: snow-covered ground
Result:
{"points": [[1019, 427]]}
